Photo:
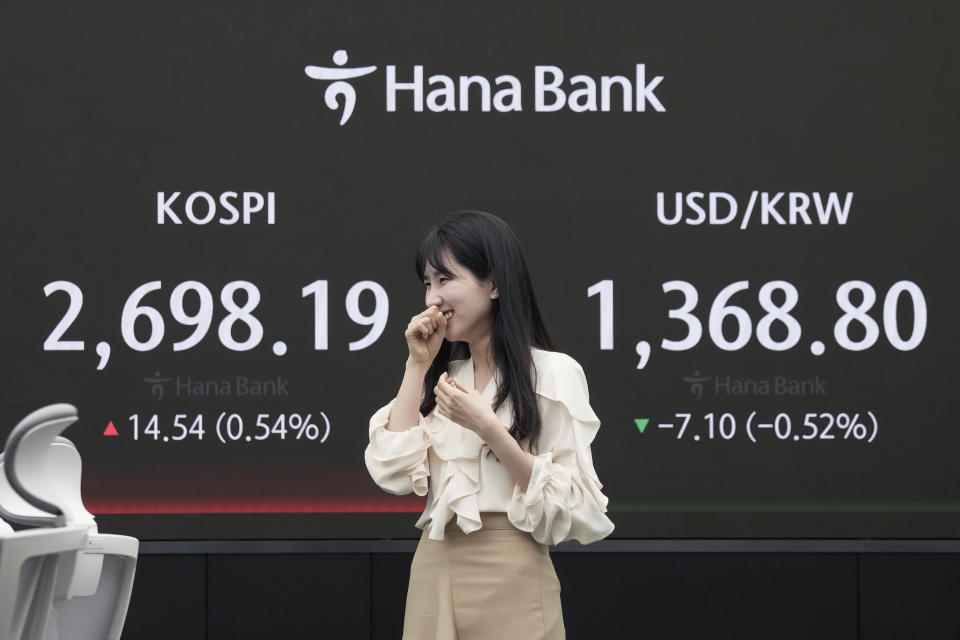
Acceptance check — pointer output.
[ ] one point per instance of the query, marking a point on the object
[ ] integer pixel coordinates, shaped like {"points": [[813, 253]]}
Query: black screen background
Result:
{"points": [[108, 105]]}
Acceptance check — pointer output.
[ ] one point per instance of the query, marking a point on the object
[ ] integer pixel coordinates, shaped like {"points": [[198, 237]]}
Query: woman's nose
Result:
{"points": [[433, 299]]}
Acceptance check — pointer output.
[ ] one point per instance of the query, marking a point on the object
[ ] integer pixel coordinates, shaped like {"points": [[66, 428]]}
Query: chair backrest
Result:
{"points": [[49, 578]]}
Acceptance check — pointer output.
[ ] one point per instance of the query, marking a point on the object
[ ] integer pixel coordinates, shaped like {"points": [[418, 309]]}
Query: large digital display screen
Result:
{"points": [[737, 219]]}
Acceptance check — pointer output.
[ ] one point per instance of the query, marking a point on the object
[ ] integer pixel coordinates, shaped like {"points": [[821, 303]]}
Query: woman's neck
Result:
{"points": [[482, 356]]}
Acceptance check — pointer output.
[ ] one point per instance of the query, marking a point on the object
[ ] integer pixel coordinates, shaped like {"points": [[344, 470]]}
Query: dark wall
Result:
{"points": [[867, 596]]}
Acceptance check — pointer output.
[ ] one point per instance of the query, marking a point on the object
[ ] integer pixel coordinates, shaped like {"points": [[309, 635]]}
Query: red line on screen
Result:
{"points": [[220, 505]]}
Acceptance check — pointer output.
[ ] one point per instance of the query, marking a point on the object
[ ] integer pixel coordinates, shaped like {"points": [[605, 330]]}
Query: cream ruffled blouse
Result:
{"points": [[448, 463]]}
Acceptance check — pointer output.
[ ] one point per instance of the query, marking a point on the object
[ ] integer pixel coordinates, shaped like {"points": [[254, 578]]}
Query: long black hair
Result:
{"points": [[488, 247]]}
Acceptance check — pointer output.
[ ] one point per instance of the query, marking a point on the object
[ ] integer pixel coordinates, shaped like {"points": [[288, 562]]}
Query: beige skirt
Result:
{"points": [[496, 583]]}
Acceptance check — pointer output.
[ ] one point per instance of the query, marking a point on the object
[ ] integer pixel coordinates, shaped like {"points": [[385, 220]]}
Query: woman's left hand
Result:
{"points": [[466, 407]]}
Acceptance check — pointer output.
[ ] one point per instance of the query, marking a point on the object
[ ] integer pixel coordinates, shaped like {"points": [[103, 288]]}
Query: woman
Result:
{"points": [[495, 427]]}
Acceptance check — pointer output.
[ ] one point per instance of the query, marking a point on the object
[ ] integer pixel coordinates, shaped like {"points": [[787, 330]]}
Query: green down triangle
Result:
{"points": [[641, 423]]}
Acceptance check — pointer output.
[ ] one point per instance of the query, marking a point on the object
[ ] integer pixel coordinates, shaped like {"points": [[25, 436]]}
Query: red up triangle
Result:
{"points": [[110, 430]]}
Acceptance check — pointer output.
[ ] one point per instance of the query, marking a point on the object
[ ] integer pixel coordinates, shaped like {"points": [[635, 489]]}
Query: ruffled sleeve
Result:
{"points": [[563, 500], [397, 460]]}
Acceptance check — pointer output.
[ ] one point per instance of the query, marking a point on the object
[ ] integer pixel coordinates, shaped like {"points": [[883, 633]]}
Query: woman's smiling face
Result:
{"points": [[459, 291]]}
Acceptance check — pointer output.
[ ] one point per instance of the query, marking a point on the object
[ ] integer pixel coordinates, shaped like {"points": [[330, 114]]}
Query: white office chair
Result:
{"points": [[61, 578]]}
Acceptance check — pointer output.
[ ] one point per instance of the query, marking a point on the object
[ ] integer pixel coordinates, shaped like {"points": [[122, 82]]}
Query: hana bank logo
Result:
{"points": [[157, 385], [550, 87], [696, 383], [339, 87]]}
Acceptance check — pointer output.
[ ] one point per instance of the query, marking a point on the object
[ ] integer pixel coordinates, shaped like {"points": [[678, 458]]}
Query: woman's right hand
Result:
{"points": [[424, 336]]}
